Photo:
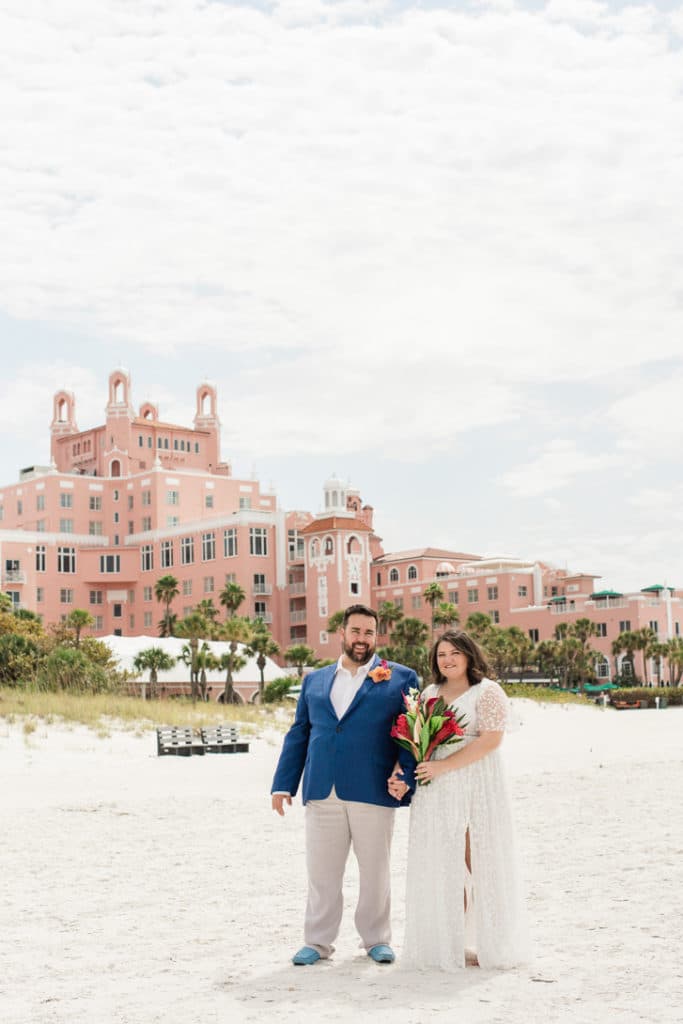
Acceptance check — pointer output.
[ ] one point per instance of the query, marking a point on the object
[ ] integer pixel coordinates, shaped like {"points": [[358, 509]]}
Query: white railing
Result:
{"points": [[297, 588], [563, 609], [262, 588], [264, 616], [296, 617], [610, 602], [14, 576]]}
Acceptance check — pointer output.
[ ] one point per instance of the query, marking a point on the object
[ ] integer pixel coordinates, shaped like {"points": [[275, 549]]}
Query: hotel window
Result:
{"points": [[601, 628], [95, 503], [131, 597], [172, 520], [677, 628], [260, 609], [533, 636], [141, 440], [147, 620], [40, 503], [230, 577], [187, 550], [495, 616], [603, 670], [230, 543], [398, 601], [40, 558], [166, 554], [394, 576], [146, 593], [96, 596], [20, 508], [187, 588], [66, 500], [412, 572], [472, 595], [492, 593], [453, 596], [66, 596], [116, 517], [521, 591], [258, 540], [66, 526], [208, 547], [131, 527], [175, 443], [172, 497], [117, 611], [260, 583], [378, 579], [116, 540], [99, 623], [209, 585], [625, 626], [416, 601], [115, 495], [654, 625], [95, 528], [110, 563], [146, 498], [245, 502], [66, 559], [146, 524], [40, 525], [196, 447], [329, 546], [40, 595], [147, 559], [131, 502], [208, 501]]}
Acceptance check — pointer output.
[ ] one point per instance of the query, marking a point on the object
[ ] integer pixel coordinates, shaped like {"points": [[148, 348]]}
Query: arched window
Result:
{"points": [[115, 468], [315, 548], [353, 547], [329, 546], [393, 576], [412, 572]]}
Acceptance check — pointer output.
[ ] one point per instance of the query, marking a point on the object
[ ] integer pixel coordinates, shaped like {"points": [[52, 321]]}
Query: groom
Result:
{"points": [[340, 741]]}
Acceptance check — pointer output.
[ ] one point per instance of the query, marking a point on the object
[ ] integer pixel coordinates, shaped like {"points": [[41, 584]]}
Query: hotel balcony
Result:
{"points": [[296, 617], [14, 576], [264, 616], [297, 588], [262, 588]]}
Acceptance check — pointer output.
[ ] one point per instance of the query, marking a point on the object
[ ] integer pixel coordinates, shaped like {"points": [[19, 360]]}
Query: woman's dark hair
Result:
{"points": [[477, 665]]}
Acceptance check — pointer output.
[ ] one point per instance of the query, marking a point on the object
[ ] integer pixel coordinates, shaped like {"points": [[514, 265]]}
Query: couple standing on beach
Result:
{"points": [[463, 903]]}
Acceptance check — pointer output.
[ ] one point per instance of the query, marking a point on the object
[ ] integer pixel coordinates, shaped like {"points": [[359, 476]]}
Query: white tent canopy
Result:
{"points": [[126, 649]]}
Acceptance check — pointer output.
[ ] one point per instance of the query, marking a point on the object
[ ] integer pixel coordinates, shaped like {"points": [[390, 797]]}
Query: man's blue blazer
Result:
{"points": [[354, 753]]}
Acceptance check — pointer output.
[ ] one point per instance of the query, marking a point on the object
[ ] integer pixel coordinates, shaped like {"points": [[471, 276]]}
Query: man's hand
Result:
{"points": [[396, 786], [278, 802]]}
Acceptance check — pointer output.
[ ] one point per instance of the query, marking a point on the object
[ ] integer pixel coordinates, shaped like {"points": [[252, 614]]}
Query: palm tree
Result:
{"points": [[165, 590], [262, 646], [389, 613], [626, 643], [152, 660], [79, 619], [194, 627], [231, 597], [674, 656], [334, 623], [208, 609], [522, 648], [408, 645], [300, 655], [479, 627], [644, 638], [445, 614], [236, 631], [205, 660], [433, 595]]}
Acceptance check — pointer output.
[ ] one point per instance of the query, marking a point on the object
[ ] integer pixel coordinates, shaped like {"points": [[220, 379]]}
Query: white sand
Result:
{"points": [[137, 889]]}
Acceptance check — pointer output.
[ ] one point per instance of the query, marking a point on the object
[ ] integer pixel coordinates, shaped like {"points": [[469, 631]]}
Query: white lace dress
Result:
{"points": [[475, 797]]}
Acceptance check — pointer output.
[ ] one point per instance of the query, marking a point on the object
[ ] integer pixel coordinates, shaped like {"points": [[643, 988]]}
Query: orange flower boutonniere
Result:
{"points": [[381, 673]]}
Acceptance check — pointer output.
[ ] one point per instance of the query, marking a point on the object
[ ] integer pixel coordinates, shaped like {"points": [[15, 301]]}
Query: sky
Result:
{"points": [[434, 248]]}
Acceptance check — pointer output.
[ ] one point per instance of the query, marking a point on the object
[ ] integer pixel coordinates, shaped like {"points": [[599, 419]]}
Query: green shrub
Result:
{"points": [[673, 695], [279, 688]]}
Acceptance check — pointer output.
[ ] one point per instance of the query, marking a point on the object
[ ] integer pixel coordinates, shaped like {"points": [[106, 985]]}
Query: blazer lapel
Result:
{"points": [[331, 671], [363, 689]]}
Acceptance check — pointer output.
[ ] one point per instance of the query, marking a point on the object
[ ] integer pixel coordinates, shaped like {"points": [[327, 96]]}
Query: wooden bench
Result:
{"points": [[223, 739], [179, 740]]}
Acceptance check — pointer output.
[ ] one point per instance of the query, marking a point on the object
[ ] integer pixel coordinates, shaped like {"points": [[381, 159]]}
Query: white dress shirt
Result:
{"points": [[346, 685]]}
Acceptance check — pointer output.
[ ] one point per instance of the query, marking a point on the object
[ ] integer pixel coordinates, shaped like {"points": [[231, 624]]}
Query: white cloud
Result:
{"points": [[557, 466]]}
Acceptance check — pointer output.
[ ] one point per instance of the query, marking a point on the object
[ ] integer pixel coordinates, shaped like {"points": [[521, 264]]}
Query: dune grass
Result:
{"points": [[101, 712], [544, 695]]}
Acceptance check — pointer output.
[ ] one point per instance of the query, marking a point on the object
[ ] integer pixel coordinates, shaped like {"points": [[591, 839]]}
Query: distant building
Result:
{"points": [[136, 498]]}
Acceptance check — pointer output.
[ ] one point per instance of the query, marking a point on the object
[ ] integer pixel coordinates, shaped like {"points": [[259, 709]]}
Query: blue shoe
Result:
{"points": [[382, 954], [306, 956]]}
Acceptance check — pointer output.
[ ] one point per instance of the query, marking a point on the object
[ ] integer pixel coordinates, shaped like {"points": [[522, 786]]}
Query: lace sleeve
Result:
{"points": [[493, 708]]}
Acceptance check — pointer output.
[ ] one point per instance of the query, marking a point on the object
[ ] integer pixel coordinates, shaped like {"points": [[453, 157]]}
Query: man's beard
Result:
{"points": [[360, 654]]}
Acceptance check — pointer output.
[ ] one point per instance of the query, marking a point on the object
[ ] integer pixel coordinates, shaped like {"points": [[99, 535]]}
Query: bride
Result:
{"points": [[463, 902]]}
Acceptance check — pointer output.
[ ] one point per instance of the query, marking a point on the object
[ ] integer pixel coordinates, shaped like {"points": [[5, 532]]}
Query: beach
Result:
{"points": [[139, 889]]}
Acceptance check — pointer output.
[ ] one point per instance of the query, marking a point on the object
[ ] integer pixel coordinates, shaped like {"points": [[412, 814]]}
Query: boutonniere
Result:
{"points": [[381, 673]]}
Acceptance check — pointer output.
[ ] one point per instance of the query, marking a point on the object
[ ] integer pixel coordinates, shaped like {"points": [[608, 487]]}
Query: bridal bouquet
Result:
{"points": [[426, 725]]}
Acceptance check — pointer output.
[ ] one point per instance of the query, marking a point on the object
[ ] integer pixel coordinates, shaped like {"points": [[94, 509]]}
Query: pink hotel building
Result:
{"points": [[135, 499]]}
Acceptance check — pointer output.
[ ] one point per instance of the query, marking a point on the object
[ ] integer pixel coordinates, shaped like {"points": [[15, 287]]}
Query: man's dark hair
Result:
{"points": [[359, 609]]}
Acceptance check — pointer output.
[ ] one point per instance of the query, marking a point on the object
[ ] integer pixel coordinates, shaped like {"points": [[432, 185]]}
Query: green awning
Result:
{"points": [[600, 687], [605, 593], [656, 588], [558, 600]]}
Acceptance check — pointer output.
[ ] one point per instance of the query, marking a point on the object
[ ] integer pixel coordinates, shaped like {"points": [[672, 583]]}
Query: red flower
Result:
{"points": [[449, 728], [401, 729]]}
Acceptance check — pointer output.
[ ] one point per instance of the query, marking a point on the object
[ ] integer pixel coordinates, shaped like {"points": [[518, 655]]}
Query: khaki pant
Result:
{"points": [[332, 827]]}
